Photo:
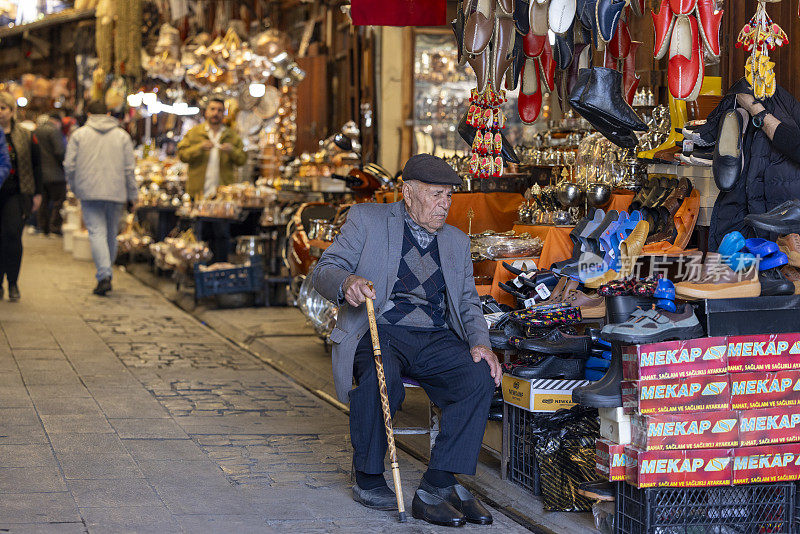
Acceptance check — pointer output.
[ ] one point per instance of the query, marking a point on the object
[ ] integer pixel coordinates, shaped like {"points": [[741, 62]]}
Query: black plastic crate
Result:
{"points": [[522, 466], [745, 509], [248, 279]]}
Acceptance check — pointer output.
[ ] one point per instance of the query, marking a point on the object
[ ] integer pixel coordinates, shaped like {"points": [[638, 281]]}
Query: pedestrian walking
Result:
{"points": [[99, 168], [20, 194], [54, 185]]}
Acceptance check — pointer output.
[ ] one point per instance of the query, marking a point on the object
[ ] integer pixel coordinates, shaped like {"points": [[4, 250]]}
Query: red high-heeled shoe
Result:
{"points": [[686, 69], [710, 21], [663, 23], [529, 103]]}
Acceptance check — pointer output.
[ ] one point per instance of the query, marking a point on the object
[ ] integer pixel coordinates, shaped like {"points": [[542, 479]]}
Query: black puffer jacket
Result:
{"points": [[768, 177]]}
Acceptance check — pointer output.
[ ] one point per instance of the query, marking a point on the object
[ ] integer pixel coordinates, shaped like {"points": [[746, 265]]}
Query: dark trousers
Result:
{"points": [[49, 215], [12, 219], [442, 364]]}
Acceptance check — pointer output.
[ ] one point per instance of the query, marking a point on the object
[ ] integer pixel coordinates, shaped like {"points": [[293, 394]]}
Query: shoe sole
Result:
{"points": [[480, 522], [751, 289], [374, 507], [691, 332], [597, 312], [454, 523]]}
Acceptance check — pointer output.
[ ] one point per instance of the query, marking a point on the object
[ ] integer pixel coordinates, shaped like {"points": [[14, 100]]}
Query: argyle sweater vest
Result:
{"points": [[418, 296]]}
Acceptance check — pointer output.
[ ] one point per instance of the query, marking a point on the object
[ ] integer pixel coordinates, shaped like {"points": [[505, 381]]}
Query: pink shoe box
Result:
{"points": [[702, 430], [764, 390], [610, 460], [677, 395], [679, 468], [766, 463], [766, 426], [773, 352], [675, 359]]}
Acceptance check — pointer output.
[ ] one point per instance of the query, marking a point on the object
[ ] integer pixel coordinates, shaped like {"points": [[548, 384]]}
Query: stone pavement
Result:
{"points": [[125, 414]]}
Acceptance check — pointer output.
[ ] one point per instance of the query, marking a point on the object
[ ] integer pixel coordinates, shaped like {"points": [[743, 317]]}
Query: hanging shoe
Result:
{"points": [[728, 154], [620, 45], [686, 67], [564, 48], [503, 47], [608, 14], [561, 15], [515, 70], [538, 16], [533, 44], [521, 19], [548, 65], [479, 27], [638, 7], [468, 133], [710, 22], [682, 7], [630, 80], [480, 65], [529, 103], [581, 60], [663, 23], [458, 30], [603, 96]]}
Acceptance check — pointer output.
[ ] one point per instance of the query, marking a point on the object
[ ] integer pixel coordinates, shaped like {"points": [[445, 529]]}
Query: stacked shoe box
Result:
{"points": [[713, 411]]}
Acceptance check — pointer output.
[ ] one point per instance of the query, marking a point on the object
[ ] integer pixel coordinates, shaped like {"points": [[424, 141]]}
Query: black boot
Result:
{"points": [[606, 392], [13, 292], [103, 287]]}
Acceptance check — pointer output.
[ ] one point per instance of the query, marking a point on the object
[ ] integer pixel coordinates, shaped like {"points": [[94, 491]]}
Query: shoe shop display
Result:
{"points": [[654, 325]]}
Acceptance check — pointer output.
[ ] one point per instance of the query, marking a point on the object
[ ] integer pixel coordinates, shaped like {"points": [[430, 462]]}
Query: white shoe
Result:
{"points": [[561, 15]]}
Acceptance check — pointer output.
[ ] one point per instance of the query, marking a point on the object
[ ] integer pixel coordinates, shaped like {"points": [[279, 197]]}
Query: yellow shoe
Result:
{"points": [[631, 248], [606, 277]]}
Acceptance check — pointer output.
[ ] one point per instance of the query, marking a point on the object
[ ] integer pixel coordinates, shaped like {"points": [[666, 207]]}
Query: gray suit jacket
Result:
{"points": [[369, 246]]}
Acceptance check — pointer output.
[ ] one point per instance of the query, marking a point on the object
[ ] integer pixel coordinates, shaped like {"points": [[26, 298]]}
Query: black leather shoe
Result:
{"points": [[462, 500], [434, 509], [606, 392], [552, 367], [381, 498], [103, 287], [499, 339], [468, 133], [521, 17], [620, 136], [13, 292], [557, 342], [728, 158], [784, 219], [564, 48], [458, 30], [773, 283], [602, 98]]}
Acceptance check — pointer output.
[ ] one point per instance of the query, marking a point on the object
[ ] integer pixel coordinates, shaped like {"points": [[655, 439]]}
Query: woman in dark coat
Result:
{"points": [[19, 193]]}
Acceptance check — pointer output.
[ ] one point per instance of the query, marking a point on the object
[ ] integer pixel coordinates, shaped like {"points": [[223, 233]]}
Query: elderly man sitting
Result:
{"points": [[431, 329]]}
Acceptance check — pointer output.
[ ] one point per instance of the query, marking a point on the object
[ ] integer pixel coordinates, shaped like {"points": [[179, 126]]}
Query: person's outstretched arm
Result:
{"points": [[784, 137]]}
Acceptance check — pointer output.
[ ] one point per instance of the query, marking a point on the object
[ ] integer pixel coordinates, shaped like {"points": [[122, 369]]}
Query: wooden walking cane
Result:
{"points": [[387, 414]]}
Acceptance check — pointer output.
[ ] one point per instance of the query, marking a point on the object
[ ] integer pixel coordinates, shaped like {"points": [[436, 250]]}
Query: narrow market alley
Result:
{"points": [[126, 414]]}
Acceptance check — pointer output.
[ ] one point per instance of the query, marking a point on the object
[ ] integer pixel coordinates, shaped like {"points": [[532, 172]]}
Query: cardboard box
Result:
{"points": [[618, 432], [773, 352], [610, 460], [766, 463], [680, 468], [765, 390], [675, 359], [614, 414], [677, 395], [703, 430], [764, 426], [539, 395]]}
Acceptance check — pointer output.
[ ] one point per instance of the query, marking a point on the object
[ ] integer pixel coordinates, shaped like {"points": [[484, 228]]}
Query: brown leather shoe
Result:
{"points": [[504, 35], [790, 245], [479, 27], [480, 64], [592, 307], [718, 281], [666, 230], [793, 275]]}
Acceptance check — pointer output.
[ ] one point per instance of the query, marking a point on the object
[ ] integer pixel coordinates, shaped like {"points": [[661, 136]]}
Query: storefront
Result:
{"points": [[633, 222]]}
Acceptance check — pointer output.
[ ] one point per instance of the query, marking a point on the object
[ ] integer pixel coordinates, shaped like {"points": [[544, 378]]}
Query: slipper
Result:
{"points": [[598, 364], [741, 261], [665, 289], [666, 304], [593, 375], [731, 243], [776, 259], [761, 247]]}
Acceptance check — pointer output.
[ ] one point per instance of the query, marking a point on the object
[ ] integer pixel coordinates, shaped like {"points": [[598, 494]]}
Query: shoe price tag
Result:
{"points": [[517, 282], [612, 253], [543, 291], [688, 146], [529, 302], [493, 318]]}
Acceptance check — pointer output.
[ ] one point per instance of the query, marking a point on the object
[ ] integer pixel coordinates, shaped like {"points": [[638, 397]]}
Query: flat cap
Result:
{"points": [[430, 170]]}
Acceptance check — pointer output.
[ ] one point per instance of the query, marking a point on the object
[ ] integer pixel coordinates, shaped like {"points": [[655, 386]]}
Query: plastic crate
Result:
{"points": [[220, 282], [522, 466], [746, 509]]}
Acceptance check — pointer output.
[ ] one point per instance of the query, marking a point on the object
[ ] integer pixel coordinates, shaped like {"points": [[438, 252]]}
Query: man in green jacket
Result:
{"points": [[211, 150]]}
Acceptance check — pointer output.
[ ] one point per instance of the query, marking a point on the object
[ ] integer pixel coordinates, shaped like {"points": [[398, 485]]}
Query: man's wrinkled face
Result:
{"points": [[215, 112], [427, 204]]}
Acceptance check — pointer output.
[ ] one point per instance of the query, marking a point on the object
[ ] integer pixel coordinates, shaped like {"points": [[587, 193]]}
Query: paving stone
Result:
{"points": [[18, 416], [156, 519], [187, 498], [164, 449], [22, 434], [34, 455], [87, 443], [108, 493], [30, 480], [76, 527], [34, 507], [28, 335], [76, 424], [78, 465], [68, 406], [51, 391], [224, 524], [148, 428]]}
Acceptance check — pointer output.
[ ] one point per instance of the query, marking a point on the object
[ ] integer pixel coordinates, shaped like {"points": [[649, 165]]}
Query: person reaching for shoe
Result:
{"points": [[431, 329], [20, 194]]}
